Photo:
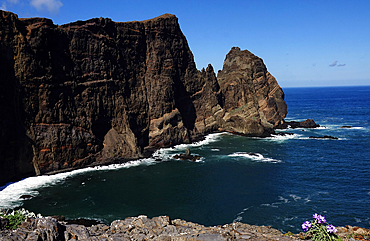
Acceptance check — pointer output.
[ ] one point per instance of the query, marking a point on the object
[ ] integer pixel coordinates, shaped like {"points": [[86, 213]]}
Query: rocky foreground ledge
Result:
{"points": [[157, 228]]}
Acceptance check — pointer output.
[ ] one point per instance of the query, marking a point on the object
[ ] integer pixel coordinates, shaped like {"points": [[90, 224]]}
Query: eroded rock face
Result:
{"points": [[97, 91], [253, 100]]}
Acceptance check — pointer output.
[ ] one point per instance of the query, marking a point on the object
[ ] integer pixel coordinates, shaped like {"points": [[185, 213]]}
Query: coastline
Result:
{"points": [[150, 150], [181, 148]]}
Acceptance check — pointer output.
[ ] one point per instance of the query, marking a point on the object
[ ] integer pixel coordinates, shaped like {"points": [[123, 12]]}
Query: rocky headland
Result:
{"points": [[97, 92]]}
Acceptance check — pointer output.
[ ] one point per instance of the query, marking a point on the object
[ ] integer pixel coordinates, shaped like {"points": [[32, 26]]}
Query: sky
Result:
{"points": [[303, 43]]}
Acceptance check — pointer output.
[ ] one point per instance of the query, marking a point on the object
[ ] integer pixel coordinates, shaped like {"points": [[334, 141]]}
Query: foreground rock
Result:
{"points": [[97, 91], [158, 228], [139, 228]]}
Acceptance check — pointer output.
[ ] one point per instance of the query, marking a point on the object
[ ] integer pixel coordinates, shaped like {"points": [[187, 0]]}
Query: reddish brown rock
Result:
{"points": [[253, 100], [97, 91]]}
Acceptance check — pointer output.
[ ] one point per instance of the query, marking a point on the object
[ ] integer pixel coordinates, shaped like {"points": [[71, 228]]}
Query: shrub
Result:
{"points": [[16, 217]]}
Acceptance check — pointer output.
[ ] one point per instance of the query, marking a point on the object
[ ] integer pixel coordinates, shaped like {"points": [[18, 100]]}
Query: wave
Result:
{"points": [[254, 156], [207, 140], [342, 127], [321, 138], [355, 128], [281, 202], [281, 138], [9, 195], [167, 154]]}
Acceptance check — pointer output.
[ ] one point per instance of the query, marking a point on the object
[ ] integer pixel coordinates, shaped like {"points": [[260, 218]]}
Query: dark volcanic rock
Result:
{"points": [[309, 123], [324, 137], [26, 196], [97, 92], [187, 156]]}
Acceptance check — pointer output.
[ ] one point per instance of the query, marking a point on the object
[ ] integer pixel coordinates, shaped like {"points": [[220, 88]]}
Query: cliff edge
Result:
{"points": [[97, 91]]}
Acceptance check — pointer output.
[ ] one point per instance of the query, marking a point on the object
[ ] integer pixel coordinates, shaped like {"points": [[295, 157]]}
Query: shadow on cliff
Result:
{"points": [[184, 104], [15, 145]]}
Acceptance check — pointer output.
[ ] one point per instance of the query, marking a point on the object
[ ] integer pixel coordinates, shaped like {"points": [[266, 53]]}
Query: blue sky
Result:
{"points": [[303, 43]]}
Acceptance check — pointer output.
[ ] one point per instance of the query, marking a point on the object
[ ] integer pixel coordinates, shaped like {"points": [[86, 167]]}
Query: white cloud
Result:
{"points": [[50, 5], [3, 6]]}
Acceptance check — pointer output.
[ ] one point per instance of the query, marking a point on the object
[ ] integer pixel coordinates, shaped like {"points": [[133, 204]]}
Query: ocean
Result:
{"points": [[278, 181]]}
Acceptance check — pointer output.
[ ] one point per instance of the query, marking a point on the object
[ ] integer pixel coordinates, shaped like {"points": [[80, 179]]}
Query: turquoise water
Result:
{"points": [[278, 181]]}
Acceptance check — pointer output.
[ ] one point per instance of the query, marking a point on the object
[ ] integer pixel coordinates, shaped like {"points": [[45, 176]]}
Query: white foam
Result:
{"points": [[238, 219], [285, 200], [242, 212], [295, 197], [357, 220], [215, 149], [273, 205], [167, 154], [208, 139], [9, 196], [281, 138], [356, 128], [254, 156]]}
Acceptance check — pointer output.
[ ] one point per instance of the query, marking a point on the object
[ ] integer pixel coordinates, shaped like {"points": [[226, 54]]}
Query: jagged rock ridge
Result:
{"points": [[98, 91]]}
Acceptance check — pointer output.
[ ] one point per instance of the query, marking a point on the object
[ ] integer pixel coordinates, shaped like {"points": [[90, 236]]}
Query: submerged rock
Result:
{"points": [[324, 137]]}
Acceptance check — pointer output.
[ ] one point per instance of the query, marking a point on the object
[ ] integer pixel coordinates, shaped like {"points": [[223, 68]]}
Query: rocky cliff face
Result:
{"points": [[99, 91], [253, 100]]}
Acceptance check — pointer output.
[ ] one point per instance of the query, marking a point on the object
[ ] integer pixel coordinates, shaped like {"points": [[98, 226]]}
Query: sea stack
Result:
{"points": [[98, 91]]}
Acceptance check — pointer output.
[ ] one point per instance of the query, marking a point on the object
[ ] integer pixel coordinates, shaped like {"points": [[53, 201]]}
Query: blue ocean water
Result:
{"points": [[279, 181]]}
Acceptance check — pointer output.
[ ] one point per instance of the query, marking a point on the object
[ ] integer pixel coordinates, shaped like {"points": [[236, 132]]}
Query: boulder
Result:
{"points": [[309, 123], [187, 156], [26, 196]]}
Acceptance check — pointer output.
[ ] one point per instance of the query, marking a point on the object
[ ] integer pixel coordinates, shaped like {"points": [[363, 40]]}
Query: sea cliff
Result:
{"points": [[98, 91]]}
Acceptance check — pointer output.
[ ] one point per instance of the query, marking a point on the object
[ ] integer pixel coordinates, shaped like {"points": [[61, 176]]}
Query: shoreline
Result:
{"points": [[150, 150]]}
